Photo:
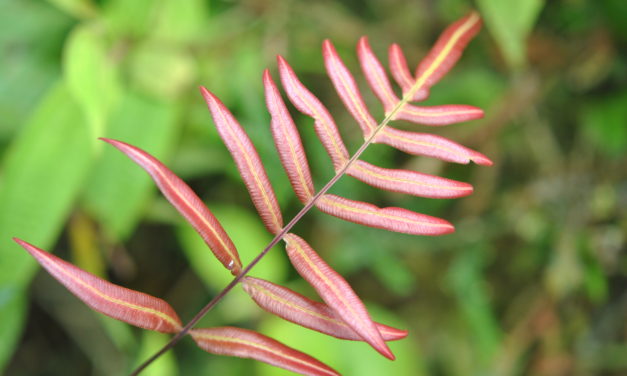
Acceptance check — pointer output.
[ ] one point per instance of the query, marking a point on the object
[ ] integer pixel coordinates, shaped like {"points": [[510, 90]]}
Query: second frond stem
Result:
{"points": [[277, 238]]}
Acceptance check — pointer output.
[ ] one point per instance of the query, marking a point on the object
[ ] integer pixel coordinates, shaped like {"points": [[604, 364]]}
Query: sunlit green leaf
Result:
{"points": [[90, 74], [510, 22], [35, 198]]}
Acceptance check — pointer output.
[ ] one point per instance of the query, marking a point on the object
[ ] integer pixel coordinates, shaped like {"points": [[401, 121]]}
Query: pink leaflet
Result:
{"points": [[303, 311], [408, 182], [430, 145], [438, 115], [335, 291], [447, 50], [187, 203], [248, 163], [120, 303], [308, 104], [391, 218], [347, 89], [288, 142], [245, 343], [402, 75], [376, 76]]}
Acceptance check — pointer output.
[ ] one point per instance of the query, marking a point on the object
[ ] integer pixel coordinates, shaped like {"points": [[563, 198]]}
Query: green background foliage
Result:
{"points": [[532, 283]]}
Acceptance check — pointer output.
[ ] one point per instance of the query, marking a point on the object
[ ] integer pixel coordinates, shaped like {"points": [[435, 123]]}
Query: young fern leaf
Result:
{"points": [[188, 204], [288, 142], [342, 314], [120, 303], [294, 307], [245, 343], [248, 163], [335, 291]]}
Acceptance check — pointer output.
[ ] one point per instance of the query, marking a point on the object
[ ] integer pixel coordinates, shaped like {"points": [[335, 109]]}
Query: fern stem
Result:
{"points": [[279, 236]]}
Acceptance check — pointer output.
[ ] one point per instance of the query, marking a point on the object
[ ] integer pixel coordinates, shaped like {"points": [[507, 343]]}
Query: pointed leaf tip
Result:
{"points": [[246, 343], [130, 306], [335, 291], [294, 307], [181, 196]]}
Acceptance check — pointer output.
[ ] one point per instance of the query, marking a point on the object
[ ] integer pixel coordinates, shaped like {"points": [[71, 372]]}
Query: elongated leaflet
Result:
{"points": [[438, 115], [245, 343], [446, 51], [408, 182], [187, 203], [288, 143], [123, 304], [391, 219], [430, 145], [375, 75], [335, 291], [303, 311], [347, 89], [402, 75], [248, 163], [308, 104]]}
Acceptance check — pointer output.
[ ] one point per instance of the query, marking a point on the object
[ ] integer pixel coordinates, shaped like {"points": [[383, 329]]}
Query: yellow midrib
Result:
{"points": [[198, 215], [212, 337], [251, 168], [379, 214], [401, 180], [111, 299], [317, 117]]}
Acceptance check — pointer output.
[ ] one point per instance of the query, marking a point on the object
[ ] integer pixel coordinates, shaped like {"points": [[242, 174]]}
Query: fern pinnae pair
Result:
{"points": [[342, 314]]}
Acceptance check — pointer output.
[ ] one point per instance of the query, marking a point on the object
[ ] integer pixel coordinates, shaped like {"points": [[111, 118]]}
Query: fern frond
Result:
{"points": [[343, 314]]}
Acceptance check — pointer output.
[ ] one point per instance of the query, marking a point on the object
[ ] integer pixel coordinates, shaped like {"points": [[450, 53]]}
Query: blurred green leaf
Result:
{"points": [[77, 8], [466, 279], [13, 304], [603, 123], [35, 198], [90, 74], [30, 42], [118, 189], [161, 70], [152, 342], [179, 21], [129, 18], [510, 23]]}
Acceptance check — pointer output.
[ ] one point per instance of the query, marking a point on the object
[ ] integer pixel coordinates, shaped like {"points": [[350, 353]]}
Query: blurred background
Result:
{"points": [[533, 282]]}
